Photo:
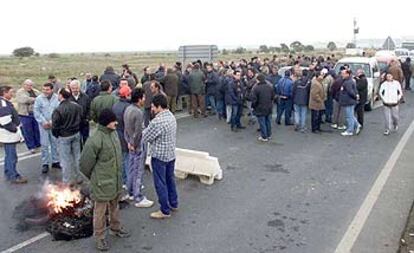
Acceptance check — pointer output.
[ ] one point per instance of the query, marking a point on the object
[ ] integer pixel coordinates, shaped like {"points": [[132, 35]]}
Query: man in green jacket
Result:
{"points": [[104, 101], [101, 162], [197, 89]]}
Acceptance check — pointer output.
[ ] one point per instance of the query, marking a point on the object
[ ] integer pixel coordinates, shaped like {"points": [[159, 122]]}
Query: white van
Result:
{"points": [[372, 72], [402, 53]]}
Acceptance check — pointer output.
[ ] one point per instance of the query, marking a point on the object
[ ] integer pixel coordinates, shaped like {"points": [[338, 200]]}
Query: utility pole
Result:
{"points": [[356, 31]]}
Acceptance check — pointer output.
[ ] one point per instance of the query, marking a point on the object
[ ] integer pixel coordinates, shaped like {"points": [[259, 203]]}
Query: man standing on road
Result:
{"points": [[66, 120], [148, 98], [407, 71], [103, 101], [316, 101], [391, 94], [25, 98], [300, 94], [397, 73], [284, 90], [262, 102], [234, 98], [44, 106], [83, 100], [134, 119], [161, 134], [212, 83], [348, 96], [100, 162], [171, 89], [197, 88], [119, 109], [362, 88], [9, 135]]}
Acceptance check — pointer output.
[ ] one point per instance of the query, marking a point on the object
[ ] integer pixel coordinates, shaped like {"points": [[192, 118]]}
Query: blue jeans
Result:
{"points": [[328, 109], [285, 105], [265, 123], [30, 130], [135, 174], [10, 161], [69, 154], [236, 111], [300, 115], [49, 146], [163, 173], [212, 102], [220, 108], [351, 121]]}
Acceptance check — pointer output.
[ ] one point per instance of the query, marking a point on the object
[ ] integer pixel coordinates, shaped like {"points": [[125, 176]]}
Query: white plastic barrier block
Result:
{"points": [[198, 163]]}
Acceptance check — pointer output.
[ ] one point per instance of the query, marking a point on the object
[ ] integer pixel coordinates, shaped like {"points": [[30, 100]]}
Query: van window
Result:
{"points": [[354, 67]]}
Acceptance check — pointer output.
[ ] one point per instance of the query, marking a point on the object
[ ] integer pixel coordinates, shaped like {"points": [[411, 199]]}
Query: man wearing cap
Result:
{"points": [[119, 109], [100, 162]]}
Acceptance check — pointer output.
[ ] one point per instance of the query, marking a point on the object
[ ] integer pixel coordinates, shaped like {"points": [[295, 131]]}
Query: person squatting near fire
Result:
{"points": [[101, 163]]}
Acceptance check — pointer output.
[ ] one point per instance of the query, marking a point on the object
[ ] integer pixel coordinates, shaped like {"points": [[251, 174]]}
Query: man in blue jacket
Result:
{"points": [[284, 90], [348, 97]]}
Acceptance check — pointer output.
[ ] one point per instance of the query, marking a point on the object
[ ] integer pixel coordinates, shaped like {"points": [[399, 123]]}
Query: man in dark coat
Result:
{"points": [[110, 75], [197, 88], [301, 90], [362, 88], [170, 82], [262, 102], [407, 71], [83, 100], [212, 82], [348, 99]]}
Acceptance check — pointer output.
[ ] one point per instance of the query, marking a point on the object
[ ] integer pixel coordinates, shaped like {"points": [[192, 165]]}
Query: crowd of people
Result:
{"points": [[133, 115]]}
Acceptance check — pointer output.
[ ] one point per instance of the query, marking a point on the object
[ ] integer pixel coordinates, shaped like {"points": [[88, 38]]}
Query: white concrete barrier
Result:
{"points": [[198, 163]]}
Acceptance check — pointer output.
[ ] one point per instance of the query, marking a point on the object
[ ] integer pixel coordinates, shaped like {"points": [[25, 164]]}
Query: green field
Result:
{"points": [[13, 71]]}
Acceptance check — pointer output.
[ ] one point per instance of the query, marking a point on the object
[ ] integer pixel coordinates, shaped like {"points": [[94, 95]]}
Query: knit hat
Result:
{"points": [[106, 117], [124, 91]]}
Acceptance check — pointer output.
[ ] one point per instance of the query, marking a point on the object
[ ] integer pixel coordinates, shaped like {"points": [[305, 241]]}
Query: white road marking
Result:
{"points": [[22, 157], [26, 243], [357, 224]]}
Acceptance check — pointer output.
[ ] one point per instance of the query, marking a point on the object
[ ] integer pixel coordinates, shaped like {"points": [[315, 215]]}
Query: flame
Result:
{"points": [[61, 197]]}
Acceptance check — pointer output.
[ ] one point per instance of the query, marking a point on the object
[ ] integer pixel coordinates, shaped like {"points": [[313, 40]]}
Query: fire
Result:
{"points": [[61, 197]]}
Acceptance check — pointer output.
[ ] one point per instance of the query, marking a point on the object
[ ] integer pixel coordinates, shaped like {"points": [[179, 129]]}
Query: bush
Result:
{"points": [[37, 54], [331, 46], [240, 50], [53, 55], [224, 52], [23, 52], [107, 55]]}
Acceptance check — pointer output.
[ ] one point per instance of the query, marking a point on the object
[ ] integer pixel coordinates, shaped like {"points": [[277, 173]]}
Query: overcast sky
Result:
{"points": [[126, 25]]}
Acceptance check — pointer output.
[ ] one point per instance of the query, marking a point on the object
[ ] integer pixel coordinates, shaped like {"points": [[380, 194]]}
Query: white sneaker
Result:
{"points": [[124, 186], [346, 134], [131, 197], [144, 203], [334, 126], [341, 127], [387, 132], [396, 128], [262, 139], [358, 129]]}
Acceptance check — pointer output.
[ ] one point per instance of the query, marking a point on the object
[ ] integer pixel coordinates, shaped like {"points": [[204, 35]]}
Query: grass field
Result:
{"points": [[13, 71]]}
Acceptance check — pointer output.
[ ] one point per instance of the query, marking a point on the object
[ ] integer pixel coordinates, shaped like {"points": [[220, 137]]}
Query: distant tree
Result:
{"points": [[37, 54], [297, 46], [309, 48], [263, 49], [350, 45], [224, 52], [240, 50], [284, 48], [107, 55], [53, 55], [275, 49], [23, 52], [331, 46]]}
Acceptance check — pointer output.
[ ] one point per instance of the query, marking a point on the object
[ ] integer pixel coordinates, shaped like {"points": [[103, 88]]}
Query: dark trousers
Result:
{"points": [[407, 82], [236, 113], [328, 110], [147, 116], [316, 120], [84, 132], [30, 130], [284, 105], [265, 126], [359, 109], [164, 181]]}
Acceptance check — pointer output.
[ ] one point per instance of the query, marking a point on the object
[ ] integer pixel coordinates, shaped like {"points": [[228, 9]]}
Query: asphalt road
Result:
{"points": [[297, 193]]}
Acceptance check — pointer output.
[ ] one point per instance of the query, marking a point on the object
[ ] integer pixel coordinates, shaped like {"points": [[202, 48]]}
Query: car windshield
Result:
{"points": [[401, 53], [354, 67]]}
